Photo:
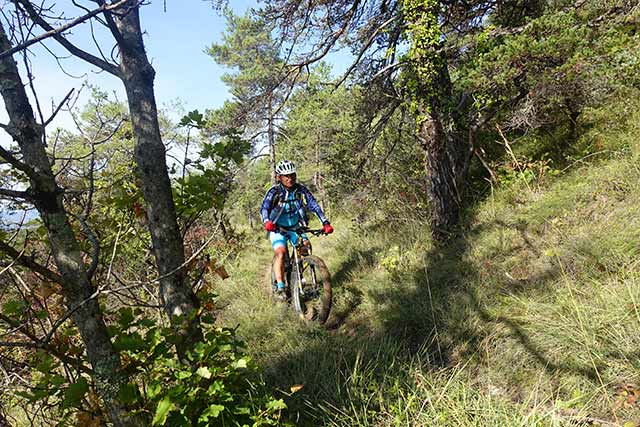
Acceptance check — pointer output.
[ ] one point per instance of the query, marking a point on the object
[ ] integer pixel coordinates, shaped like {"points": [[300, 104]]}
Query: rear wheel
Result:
{"points": [[311, 290]]}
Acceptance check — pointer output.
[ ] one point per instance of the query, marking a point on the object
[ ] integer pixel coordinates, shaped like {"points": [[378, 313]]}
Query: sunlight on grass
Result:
{"points": [[529, 319]]}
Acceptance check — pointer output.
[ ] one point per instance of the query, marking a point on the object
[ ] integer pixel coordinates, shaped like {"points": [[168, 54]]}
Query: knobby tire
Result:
{"points": [[322, 303]]}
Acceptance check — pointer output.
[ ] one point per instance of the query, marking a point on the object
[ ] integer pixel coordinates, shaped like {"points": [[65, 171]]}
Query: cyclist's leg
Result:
{"points": [[279, 245]]}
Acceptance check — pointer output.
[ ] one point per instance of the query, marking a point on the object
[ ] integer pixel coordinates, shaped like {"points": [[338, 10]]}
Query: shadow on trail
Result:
{"points": [[355, 260], [341, 279], [434, 312]]}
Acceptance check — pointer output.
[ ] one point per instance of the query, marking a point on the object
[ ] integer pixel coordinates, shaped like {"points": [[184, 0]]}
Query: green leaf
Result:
{"points": [[177, 419], [240, 363], [13, 307], [46, 364], [126, 317], [164, 406], [132, 342], [183, 375], [128, 393], [276, 405], [213, 411], [75, 392], [153, 389], [204, 372]]}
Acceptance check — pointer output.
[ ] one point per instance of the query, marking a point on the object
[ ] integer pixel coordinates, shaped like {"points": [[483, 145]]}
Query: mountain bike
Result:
{"points": [[306, 277]]}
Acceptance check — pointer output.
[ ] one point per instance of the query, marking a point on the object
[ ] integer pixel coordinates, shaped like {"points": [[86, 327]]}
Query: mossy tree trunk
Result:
{"points": [[47, 197], [137, 74], [440, 127]]}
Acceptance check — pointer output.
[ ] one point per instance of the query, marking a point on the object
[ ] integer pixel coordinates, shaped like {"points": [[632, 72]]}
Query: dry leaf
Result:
{"points": [[296, 388], [48, 289], [85, 419], [222, 272], [138, 210]]}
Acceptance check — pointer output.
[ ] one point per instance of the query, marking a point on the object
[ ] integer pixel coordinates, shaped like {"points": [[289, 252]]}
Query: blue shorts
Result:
{"points": [[278, 239]]}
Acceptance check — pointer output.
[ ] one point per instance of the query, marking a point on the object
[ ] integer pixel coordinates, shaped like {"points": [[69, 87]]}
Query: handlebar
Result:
{"points": [[300, 230]]}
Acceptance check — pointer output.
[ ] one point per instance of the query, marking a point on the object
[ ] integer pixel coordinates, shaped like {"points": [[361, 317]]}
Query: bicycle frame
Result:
{"points": [[306, 276], [296, 249]]}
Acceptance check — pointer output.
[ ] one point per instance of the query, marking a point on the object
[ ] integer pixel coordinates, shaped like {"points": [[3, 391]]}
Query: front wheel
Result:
{"points": [[311, 289]]}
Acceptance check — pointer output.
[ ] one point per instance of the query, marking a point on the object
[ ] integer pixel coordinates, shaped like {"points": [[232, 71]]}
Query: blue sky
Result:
{"points": [[175, 40]]}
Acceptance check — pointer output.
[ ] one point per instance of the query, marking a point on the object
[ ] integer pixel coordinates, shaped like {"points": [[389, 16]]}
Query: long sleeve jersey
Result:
{"points": [[287, 207]]}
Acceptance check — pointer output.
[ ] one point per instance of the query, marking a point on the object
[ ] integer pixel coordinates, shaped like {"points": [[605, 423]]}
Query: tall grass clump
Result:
{"points": [[529, 317]]}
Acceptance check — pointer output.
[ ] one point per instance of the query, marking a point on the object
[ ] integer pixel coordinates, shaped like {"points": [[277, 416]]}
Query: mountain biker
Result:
{"points": [[283, 206]]}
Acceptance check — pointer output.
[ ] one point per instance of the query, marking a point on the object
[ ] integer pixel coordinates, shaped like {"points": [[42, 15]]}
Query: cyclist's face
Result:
{"points": [[288, 180]]}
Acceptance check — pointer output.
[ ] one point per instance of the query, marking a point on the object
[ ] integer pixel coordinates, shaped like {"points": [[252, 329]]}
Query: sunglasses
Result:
{"points": [[290, 176]]}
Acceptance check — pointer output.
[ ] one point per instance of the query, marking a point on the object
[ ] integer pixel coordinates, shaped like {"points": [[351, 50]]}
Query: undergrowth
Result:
{"points": [[530, 317]]}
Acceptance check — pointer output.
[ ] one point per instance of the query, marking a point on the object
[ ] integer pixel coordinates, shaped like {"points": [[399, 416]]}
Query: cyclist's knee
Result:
{"points": [[280, 251]]}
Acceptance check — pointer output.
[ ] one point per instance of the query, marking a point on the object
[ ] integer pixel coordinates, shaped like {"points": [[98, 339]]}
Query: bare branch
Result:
{"points": [[56, 34], [322, 51], [13, 194], [57, 110], [9, 157], [364, 48], [37, 343], [28, 262], [112, 26]]}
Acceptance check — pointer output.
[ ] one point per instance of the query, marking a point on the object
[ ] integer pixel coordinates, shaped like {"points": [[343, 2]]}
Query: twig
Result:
{"points": [[513, 157], [73, 49], [480, 157], [57, 110], [8, 267], [30, 263], [194, 256], [55, 32], [580, 160]]}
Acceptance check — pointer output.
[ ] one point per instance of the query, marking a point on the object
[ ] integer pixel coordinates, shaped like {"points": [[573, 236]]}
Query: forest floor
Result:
{"points": [[531, 317]]}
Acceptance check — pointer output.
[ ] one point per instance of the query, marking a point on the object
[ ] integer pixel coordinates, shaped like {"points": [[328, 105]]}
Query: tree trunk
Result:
{"points": [[137, 75], [440, 124], [446, 152], [47, 197], [443, 170]]}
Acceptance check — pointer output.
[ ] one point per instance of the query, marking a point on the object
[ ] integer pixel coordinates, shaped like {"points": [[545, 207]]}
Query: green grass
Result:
{"points": [[530, 318]]}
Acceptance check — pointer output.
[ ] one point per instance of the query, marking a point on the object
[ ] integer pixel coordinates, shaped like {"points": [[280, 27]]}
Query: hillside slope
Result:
{"points": [[531, 317]]}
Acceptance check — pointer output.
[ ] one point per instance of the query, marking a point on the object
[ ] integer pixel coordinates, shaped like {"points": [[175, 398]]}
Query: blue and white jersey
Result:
{"points": [[287, 207]]}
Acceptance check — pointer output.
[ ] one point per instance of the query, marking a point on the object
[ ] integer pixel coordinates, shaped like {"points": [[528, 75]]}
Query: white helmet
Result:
{"points": [[285, 167]]}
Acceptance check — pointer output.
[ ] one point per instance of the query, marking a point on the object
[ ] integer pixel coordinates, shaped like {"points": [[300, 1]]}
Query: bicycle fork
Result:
{"points": [[298, 268]]}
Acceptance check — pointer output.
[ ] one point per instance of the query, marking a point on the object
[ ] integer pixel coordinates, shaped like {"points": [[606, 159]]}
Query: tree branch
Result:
{"points": [[57, 110], [330, 42], [111, 24], [364, 48], [9, 157], [13, 194], [73, 49], [44, 345], [53, 32], [25, 261]]}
